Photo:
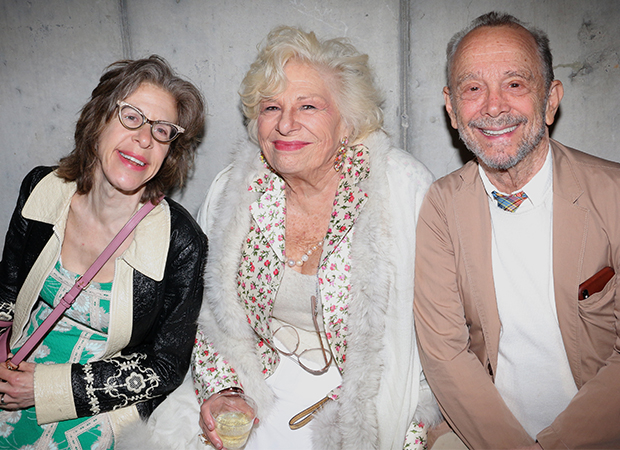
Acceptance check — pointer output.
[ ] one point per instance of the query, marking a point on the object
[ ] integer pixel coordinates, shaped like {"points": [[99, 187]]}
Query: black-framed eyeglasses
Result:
{"points": [[307, 358], [132, 119]]}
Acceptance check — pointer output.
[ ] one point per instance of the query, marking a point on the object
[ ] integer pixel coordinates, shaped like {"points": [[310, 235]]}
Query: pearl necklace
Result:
{"points": [[292, 263]]}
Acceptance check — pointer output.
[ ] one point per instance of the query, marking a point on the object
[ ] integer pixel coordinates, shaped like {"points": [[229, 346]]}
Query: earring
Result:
{"points": [[265, 163], [342, 150]]}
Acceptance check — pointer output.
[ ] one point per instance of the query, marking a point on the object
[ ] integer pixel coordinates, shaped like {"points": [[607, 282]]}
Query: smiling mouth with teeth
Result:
{"points": [[132, 159], [498, 132]]}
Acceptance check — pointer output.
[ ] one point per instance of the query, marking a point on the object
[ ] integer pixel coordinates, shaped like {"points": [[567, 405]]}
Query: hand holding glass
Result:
{"points": [[234, 415]]}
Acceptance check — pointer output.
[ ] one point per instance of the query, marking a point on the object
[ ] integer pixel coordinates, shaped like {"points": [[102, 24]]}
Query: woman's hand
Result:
{"points": [[17, 387], [207, 424]]}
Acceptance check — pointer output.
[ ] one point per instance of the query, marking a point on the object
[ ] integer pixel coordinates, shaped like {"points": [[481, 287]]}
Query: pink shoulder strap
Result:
{"points": [[81, 284]]}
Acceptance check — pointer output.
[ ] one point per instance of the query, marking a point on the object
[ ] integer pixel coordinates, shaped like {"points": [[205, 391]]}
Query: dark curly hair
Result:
{"points": [[119, 81]]}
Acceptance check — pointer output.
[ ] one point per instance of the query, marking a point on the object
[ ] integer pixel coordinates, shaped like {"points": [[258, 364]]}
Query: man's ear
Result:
{"points": [[449, 108], [556, 92]]}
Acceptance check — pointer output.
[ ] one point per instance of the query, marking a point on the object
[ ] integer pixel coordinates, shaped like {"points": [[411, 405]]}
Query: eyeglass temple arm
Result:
{"points": [[315, 313]]}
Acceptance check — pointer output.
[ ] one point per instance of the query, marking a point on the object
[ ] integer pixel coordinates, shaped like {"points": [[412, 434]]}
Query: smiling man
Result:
{"points": [[516, 354]]}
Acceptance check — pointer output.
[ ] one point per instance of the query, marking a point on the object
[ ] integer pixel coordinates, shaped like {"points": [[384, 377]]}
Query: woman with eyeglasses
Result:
{"points": [[126, 342], [308, 304]]}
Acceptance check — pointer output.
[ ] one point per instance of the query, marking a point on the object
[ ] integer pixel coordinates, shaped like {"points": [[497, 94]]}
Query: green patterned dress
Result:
{"points": [[79, 337]]}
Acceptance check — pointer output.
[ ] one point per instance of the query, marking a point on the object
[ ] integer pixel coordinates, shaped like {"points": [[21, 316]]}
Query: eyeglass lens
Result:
{"points": [[313, 360], [133, 119]]}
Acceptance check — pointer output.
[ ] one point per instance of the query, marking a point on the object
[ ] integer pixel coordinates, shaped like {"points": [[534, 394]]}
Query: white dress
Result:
{"points": [[294, 387]]}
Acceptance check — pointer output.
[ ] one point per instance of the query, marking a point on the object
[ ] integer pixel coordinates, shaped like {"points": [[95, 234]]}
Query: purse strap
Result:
{"points": [[304, 417], [81, 283]]}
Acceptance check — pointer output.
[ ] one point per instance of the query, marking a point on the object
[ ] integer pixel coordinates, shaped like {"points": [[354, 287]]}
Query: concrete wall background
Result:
{"points": [[52, 53]]}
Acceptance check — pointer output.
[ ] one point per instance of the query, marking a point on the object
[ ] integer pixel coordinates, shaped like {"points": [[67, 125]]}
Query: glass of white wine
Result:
{"points": [[234, 414]]}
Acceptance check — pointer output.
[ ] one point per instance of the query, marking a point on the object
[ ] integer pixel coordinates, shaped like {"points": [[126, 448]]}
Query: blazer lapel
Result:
{"points": [[473, 220], [569, 238]]}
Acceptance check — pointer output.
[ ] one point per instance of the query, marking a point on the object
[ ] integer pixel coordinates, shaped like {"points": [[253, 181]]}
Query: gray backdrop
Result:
{"points": [[52, 53]]}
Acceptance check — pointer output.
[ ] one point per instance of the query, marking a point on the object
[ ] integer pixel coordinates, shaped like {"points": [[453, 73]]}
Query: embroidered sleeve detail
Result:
{"points": [[6, 311], [125, 381]]}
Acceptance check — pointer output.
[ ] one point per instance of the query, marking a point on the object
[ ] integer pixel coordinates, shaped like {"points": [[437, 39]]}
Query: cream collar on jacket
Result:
{"points": [[49, 203]]}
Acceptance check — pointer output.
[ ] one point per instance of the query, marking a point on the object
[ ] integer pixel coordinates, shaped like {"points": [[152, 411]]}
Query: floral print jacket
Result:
{"points": [[262, 264]]}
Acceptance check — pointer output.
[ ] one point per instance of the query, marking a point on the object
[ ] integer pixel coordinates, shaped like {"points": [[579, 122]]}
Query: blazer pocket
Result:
{"points": [[598, 308], [595, 283]]}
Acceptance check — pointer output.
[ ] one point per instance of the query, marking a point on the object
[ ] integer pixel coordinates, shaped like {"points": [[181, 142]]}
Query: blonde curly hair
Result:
{"points": [[356, 96]]}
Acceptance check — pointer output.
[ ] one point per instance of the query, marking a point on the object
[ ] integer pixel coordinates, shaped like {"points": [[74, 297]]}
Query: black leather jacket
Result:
{"points": [[164, 313]]}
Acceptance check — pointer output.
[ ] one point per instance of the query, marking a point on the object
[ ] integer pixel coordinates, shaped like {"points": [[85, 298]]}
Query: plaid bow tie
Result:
{"points": [[509, 203]]}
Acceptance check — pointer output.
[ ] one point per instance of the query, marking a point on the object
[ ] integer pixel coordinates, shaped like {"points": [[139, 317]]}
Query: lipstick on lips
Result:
{"points": [[289, 146], [131, 160]]}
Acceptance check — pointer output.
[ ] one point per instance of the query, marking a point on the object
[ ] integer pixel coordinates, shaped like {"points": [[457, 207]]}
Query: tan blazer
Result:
{"points": [[456, 314]]}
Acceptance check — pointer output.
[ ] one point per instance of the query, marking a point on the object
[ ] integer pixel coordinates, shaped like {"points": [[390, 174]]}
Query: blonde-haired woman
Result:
{"points": [[309, 279]]}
